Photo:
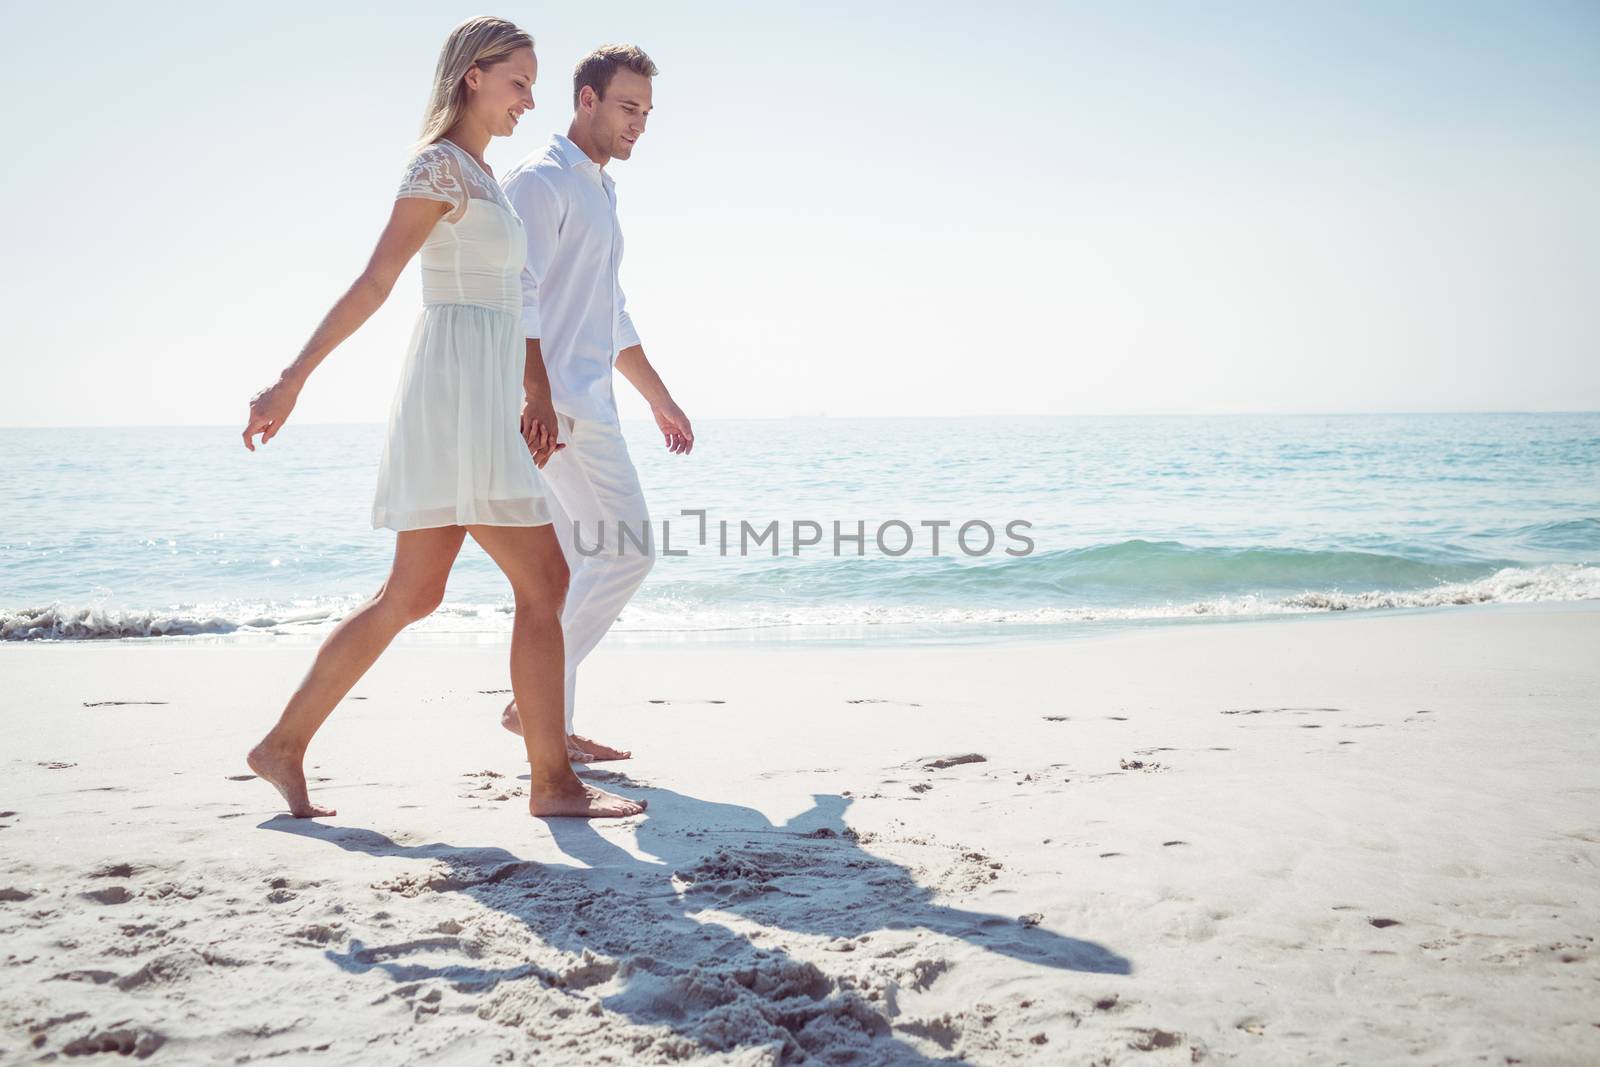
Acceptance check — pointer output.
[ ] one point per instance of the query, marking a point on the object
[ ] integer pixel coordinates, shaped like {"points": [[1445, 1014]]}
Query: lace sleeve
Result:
{"points": [[434, 174]]}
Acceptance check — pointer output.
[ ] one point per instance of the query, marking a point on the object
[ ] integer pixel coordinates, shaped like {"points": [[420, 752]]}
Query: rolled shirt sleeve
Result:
{"points": [[627, 336], [535, 200]]}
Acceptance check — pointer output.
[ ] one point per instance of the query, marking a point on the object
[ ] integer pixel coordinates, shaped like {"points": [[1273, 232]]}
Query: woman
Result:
{"points": [[455, 462]]}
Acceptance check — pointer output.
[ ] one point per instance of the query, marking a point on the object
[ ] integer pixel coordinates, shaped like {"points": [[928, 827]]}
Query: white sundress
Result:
{"points": [[455, 454]]}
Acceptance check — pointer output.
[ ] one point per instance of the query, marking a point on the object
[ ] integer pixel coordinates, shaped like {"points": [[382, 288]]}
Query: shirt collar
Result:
{"points": [[573, 156]]}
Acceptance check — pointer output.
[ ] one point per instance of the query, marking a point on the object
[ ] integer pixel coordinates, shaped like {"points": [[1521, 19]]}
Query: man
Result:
{"points": [[575, 320]]}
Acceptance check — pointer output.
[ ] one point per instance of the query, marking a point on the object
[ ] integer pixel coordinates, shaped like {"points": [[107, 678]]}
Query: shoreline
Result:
{"points": [[1261, 844], [829, 635]]}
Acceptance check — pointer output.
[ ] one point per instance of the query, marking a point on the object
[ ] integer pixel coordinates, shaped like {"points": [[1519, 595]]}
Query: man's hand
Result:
{"points": [[539, 429], [675, 428], [673, 423]]}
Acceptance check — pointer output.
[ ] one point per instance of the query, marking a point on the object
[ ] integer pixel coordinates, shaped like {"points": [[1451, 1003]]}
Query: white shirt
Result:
{"points": [[571, 300]]}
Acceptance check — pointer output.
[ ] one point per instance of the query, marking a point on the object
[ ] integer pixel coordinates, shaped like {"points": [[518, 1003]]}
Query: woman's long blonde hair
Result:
{"points": [[482, 42]]}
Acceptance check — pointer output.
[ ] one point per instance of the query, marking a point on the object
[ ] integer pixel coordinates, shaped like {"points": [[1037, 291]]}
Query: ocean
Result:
{"points": [[1045, 526]]}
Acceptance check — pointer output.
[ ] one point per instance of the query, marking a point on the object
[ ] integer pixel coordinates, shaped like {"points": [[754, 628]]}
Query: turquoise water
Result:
{"points": [[178, 531]]}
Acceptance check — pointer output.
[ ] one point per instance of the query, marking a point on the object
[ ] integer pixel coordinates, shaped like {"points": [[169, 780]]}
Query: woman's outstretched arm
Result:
{"points": [[409, 224]]}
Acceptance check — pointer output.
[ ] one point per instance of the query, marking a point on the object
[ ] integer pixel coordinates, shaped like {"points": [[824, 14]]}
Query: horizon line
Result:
{"points": [[863, 418]]}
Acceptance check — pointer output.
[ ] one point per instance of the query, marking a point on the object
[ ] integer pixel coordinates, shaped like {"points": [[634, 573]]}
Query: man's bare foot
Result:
{"points": [[510, 719], [582, 802], [579, 749], [596, 752], [283, 771]]}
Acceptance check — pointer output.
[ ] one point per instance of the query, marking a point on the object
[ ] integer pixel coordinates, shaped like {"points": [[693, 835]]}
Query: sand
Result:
{"points": [[1339, 840]]}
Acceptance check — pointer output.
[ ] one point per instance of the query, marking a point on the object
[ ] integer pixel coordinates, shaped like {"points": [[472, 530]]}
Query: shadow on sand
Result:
{"points": [[648, 932]]}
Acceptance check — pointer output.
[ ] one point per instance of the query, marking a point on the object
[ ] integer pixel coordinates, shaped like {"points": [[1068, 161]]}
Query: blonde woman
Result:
{"points": [[460, 458]]}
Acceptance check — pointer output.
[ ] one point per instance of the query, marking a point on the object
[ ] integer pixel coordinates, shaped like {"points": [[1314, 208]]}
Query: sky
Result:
{"points": [[892, 209]]}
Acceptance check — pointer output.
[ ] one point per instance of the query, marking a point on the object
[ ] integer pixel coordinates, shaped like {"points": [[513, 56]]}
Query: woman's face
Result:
{"points": [[500, 93]]}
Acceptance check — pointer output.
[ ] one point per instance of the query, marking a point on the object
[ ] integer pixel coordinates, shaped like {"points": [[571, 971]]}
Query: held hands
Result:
{"points": [[539, 429], [675, 428], [269, 409]]}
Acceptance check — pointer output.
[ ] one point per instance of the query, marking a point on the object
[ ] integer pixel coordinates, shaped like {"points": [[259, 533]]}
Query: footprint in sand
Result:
{"points": [[241, 777], [320, 934], [1114, 1003], [942, 1031], [114, 870], [883, 700], [140, 1043], [617, 778], [1575, 951], [1148, 1040], [97, 977], [121, 703], [665, 701], [55, 765], [939, 763], [116, 894]]}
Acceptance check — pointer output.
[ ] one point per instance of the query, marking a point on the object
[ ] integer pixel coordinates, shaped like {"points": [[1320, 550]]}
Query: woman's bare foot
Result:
{"points": [[284, 772], [582, 802], [579, 749]]}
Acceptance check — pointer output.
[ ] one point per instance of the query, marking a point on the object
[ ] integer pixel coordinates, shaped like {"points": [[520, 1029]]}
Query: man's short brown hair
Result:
{"points": [[598, 68]]}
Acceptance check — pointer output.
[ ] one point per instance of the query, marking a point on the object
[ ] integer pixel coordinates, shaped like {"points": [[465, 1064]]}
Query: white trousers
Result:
{"points": [[593, 494]]}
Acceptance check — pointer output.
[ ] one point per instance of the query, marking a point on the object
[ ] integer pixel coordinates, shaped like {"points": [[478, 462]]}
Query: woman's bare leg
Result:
{"points": [[531, 558], [415, 586]]}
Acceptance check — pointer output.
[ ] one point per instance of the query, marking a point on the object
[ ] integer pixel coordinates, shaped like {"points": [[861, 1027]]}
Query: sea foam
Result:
{"points": [[664, 613]]}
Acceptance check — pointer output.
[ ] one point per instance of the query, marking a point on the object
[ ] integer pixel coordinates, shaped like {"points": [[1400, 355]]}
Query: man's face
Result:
{"points": [[619, 118]]}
